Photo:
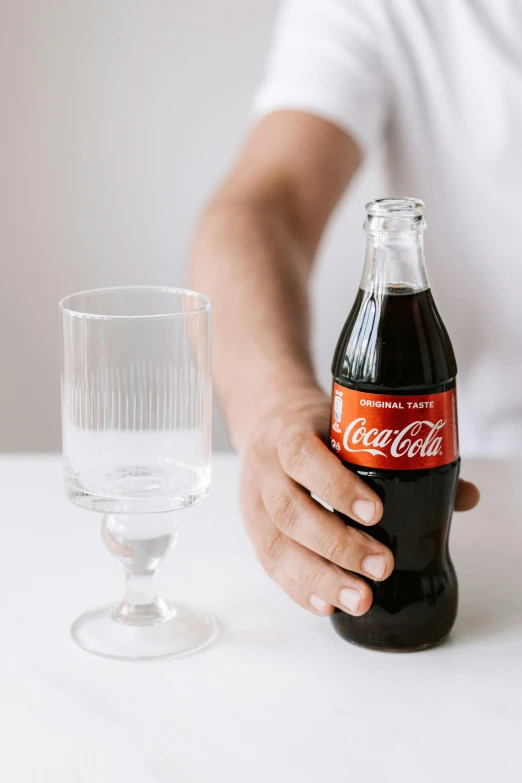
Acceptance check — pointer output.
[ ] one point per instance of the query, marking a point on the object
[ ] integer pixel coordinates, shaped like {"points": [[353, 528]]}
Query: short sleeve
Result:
{"points": [[326, 59]]}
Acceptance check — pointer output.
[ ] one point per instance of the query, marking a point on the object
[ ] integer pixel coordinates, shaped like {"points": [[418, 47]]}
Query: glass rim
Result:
{"points": [[204, 308]]}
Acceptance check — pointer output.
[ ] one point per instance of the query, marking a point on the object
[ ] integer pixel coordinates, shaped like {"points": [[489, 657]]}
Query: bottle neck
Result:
{"points": [[394, 263]]}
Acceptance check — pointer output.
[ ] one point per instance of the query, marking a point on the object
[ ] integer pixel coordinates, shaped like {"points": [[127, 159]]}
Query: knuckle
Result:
{"points": [[255, 458], [331, 487], [315, 580], [294, 453], [273, 553], [284, 512], [336, 548]]}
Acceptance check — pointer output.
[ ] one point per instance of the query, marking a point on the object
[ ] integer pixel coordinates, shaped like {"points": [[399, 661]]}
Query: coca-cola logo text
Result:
{"points": [[402, 443]]}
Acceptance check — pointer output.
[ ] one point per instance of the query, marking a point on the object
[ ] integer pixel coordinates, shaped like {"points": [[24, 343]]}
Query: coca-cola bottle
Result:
{"points": [[394, 424]]}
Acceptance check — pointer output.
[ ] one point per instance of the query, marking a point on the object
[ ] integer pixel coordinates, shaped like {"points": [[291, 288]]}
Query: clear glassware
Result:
{"points": [[136, 423]]}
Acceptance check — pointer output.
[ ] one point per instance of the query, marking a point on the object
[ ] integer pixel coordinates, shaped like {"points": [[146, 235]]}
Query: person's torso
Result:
{"points": [[454, 139]]}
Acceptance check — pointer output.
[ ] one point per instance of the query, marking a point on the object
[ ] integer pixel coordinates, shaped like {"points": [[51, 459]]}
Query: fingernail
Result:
{"points": [[318, 604], [375, 565], [364, 509], [351, 598]]}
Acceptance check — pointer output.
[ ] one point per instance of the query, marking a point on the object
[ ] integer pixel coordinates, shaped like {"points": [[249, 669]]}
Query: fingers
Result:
{"points": [[306, 459], [297, 516], [301, 595], [467, 496], [314, 583], [311, 581]]}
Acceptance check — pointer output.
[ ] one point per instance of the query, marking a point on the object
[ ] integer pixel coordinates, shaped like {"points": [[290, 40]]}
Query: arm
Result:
{"points": [[253, 255]]}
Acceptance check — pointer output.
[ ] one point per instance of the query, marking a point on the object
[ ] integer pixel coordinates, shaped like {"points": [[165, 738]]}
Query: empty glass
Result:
{"points": [[136, 422]]}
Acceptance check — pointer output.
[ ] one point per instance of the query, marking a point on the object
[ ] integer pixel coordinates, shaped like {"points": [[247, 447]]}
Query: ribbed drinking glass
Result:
{"points": [[136, 423]]}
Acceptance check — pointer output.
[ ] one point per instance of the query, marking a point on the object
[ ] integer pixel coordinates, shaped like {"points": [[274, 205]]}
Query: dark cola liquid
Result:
{"points": [[396, 343]]}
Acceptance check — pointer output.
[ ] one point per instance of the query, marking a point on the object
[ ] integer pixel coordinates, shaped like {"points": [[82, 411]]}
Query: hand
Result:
{"points": [[306, 549]]}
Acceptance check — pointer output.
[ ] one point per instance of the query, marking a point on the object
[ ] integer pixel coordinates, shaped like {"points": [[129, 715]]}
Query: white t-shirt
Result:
{"points": [[439, 83]]}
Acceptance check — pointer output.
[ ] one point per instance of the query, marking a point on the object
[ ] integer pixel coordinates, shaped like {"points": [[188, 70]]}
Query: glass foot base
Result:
{"points": [[185, 631]]}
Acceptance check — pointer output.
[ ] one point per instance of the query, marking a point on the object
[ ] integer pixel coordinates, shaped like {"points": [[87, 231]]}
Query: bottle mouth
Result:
{"points": [[395, 216], [403, 207]]}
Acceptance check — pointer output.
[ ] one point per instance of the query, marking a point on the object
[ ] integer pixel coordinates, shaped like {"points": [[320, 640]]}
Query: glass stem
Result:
{"points": [[142, 605], [140, 542], [141, 588]]}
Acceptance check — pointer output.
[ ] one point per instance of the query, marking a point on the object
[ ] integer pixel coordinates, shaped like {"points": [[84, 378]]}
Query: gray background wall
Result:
{"points": [[118, 120]]}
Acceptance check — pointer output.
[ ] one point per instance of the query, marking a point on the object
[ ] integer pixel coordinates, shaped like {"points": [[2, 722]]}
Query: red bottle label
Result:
{"points": [[395, 432]]}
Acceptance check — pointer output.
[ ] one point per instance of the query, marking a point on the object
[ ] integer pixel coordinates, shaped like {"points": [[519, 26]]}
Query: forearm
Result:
{"points": [[249, 261], [253, 256]]}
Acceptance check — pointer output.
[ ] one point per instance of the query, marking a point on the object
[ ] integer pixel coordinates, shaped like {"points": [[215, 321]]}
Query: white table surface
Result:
{"points": [[279, 698]]}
